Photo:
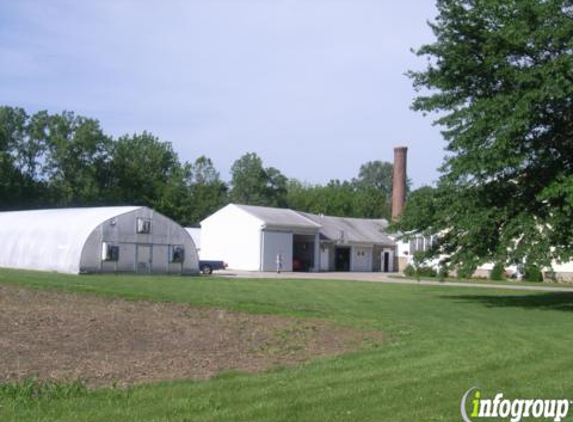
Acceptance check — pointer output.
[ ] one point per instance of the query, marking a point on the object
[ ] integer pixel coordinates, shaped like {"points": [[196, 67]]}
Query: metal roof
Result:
{"points": [[280, 217], [353, 230], [50, 239]]}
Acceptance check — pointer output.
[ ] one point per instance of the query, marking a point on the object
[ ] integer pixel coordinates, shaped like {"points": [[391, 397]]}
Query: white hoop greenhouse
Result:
{"points": [[96, 240]]}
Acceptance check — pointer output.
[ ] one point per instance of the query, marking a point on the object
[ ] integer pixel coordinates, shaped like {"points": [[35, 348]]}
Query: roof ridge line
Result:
{"points": [[300, 214]]}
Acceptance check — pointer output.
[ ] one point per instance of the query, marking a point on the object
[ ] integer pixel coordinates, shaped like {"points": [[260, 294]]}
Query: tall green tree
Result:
{"points": [[276, 188], [500, 76], [253, 184], [172, 196], [338, 198], [207, 192], [190, 192], [374, 187], [76, 160], [13, 184], [376, 175], [141, 168], [53, 160], [420, 209]]}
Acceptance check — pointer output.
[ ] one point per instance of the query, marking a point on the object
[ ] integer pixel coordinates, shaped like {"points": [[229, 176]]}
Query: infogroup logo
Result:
{"points": [[498, 407]]}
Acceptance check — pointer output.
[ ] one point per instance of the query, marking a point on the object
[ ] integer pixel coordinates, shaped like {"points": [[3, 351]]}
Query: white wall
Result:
{"points": [[563, 270], [403, 248], [195, 234], [325, 258], [566, 267], [277, 243], [234, 236]]}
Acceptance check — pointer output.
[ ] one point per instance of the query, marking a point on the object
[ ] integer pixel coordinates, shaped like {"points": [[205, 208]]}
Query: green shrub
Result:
{"points": [[532, 273], [410, 271], [421, 271], [497, 272], [427, 272], [463, 272]]}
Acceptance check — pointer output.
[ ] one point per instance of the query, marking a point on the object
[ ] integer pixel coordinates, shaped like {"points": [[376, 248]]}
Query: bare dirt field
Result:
{"points": [[102, 341]]}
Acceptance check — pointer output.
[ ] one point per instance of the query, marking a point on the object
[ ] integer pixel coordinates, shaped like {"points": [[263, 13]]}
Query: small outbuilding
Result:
{"points": [[96, 240], [254, 238], [257, 238], [355, 244]]}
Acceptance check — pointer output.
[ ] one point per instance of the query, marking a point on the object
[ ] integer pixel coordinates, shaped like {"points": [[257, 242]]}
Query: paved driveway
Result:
{"points": [[381, 278]]}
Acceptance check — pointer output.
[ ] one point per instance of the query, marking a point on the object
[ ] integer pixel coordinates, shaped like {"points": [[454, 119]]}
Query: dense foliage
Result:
{"points": [[500, 78], [497, 272], [61, 160], [255, 185], [67, 160]]}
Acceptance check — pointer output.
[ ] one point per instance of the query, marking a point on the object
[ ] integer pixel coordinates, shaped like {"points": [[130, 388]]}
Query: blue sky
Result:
{"points": [[315, 87]]}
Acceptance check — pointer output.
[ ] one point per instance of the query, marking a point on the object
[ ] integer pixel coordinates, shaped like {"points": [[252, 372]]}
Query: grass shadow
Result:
{"points": [[547, 301]]}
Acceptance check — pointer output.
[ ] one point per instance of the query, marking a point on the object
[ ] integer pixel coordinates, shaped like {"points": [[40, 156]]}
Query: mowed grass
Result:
{"points": [[441, 341]]}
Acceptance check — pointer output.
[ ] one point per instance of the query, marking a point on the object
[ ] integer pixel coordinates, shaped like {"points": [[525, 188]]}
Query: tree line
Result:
{"points": [[66, 160]]}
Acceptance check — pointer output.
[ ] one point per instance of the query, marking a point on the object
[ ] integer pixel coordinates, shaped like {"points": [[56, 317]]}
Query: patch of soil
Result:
{"points": [[63, 336]]}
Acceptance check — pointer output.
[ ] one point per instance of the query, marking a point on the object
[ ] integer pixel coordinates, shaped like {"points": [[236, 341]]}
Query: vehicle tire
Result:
{"points": [[206, 269]]}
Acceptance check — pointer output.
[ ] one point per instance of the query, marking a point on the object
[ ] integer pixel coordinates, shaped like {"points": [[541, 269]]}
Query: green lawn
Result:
{"points": [[444, 340]]}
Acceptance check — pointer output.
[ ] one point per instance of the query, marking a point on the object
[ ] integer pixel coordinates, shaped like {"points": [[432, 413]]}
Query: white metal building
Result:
{"points": [[563, 271], [250, 238], [354, 244], [195, 233], [94, 240], [405, 250], [253, 238]]}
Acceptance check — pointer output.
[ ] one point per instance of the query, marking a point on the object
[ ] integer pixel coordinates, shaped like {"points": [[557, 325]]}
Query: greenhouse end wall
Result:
{"points": [[146, 242]]}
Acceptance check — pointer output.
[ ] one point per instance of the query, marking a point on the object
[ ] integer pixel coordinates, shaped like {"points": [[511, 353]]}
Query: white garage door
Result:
{"points": [[361, 259], [273, 244]]}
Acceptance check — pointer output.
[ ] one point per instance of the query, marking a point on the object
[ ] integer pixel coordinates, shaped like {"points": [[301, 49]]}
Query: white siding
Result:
{"points": [[403, 248], [234, 236], [195, 234], [325, 259], [559, 268], [566, 267]]}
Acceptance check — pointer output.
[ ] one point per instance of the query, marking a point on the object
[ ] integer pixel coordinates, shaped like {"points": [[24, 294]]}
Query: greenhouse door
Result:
{"points": [[143, 259]]}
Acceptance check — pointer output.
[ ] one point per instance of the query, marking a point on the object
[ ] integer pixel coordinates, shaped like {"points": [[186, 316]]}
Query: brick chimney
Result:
{"points": [[399, 182]]}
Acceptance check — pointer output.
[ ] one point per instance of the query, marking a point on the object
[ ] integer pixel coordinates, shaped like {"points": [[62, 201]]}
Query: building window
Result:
{"points": [[431, 241], [412, 246], [143, 225], [109, 252], [421, 244], [176, 254]]}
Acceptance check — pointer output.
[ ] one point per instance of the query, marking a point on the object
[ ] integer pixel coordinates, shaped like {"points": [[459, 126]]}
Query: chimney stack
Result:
{"points": [[399, 182]]}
